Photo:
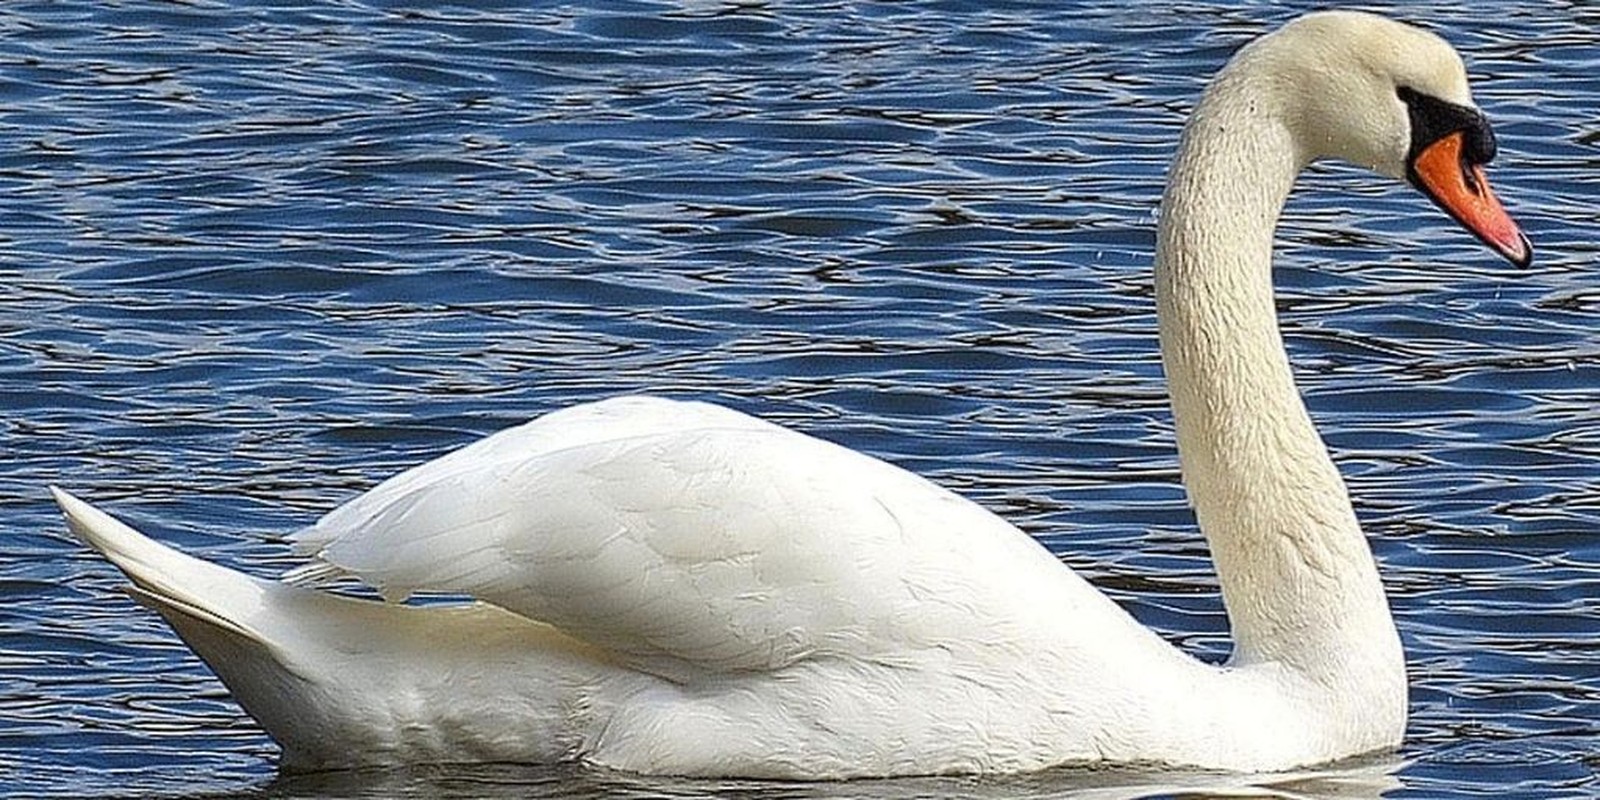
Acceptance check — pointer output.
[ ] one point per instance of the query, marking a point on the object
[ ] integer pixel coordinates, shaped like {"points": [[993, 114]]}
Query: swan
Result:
{"points": [[677, 588]]}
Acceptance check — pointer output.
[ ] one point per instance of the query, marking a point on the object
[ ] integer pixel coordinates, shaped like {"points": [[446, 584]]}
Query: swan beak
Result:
{"points": [[1462, 190]]}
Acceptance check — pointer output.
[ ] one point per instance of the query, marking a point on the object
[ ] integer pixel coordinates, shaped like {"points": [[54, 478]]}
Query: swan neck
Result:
{"points": [[1297, 576]]}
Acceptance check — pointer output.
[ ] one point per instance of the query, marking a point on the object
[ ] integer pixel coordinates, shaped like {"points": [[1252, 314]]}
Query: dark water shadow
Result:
{"points": [[1365, 778]]}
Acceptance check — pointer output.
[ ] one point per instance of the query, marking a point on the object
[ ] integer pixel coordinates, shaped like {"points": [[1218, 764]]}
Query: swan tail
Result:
{"points": [[164, 579], [232, 621], [344, 682]]}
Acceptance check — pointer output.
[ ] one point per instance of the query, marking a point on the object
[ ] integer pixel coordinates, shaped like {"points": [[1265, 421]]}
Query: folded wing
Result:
{"points": [[687, 538]]}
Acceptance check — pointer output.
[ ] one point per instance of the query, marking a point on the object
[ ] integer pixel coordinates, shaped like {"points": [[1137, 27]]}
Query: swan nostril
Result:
{"points": [[1469, 176]]}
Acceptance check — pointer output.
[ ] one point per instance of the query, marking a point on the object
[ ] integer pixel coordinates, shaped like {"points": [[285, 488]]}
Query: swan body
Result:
{"points": [[677, 588]]}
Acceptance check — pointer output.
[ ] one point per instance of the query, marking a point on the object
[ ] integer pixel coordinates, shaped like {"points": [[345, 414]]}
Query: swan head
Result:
{"points": [[1393, 98]]}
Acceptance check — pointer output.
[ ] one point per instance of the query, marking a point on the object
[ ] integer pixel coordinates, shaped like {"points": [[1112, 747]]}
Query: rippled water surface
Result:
{"points": [[256, 257]]}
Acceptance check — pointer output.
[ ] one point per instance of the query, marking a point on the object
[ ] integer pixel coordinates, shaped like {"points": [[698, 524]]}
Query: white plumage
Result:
{"points": [[692, 539], [678, 588]]}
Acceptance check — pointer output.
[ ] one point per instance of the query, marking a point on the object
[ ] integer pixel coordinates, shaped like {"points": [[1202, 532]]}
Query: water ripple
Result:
{"points": [[261, 256]]}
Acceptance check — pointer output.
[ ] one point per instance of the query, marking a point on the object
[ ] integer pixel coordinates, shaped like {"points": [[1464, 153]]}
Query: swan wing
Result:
{"points": [[687, 538]]}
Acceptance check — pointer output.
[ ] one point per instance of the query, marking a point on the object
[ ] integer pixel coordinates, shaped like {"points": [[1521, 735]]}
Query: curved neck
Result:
{"points": [[1297, 576]]}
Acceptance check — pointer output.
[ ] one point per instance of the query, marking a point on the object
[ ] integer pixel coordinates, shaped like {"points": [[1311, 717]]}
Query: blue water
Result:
{"points": [[256, 257]]}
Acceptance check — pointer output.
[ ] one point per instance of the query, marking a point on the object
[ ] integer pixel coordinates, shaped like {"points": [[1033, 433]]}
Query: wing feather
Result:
{"points": [[691, 538]]}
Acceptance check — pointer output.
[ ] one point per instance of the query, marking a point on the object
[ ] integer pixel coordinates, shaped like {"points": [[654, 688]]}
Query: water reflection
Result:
{"points": [[1363, 779]]}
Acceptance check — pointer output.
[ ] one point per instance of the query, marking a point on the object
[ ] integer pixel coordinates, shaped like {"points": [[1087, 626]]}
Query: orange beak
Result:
{"points": [[1462, 190]]}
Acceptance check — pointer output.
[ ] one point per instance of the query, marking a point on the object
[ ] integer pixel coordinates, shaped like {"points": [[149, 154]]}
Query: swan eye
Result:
{"points": [[1433, 119]]}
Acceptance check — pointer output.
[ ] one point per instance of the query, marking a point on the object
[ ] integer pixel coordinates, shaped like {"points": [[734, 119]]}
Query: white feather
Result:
{"points": [[678, 588]]}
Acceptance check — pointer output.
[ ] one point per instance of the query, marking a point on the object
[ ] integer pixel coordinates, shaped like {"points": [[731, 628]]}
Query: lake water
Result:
{"points": [[256, 257]]}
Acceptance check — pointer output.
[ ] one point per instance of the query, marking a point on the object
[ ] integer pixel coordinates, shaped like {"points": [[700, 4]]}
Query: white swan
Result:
{"points": [[677, 588]]}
